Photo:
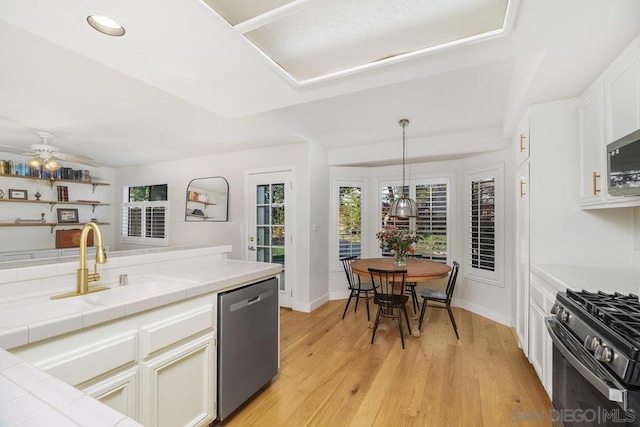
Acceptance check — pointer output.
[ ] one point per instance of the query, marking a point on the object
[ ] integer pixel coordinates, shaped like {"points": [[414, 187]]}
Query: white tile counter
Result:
{"points": [[561, 277], [29, 396]]}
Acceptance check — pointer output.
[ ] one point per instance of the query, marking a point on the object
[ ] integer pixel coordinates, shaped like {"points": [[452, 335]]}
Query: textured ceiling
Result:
{"points": [[187, 84]]}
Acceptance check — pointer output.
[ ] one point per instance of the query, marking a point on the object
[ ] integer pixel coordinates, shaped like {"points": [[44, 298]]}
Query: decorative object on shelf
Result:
{"points": [[1, 194], [398, 241], [68, 215], [41, 219], [17, 194], [403, 207], [38, 195], [71, 238], [63, 193]]}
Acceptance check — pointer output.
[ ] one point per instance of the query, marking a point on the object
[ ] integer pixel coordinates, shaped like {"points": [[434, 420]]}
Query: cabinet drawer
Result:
{"points": [[93, 361], [162, 334]]}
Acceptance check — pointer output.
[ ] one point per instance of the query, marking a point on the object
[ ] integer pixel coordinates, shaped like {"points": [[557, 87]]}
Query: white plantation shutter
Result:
{"points": [[144, 222], [432, 222], [482, 227]]}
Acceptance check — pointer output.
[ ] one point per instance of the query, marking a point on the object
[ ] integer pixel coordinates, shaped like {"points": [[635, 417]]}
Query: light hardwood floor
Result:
{"points": [[330, 374]]}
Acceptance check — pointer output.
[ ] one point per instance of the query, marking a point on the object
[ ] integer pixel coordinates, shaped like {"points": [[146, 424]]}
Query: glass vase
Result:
{"points": [[399, 258]]}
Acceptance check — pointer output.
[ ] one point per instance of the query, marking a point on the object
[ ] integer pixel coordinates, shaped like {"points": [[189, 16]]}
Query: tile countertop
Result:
{"points": [[30, 397], [592, 279]]}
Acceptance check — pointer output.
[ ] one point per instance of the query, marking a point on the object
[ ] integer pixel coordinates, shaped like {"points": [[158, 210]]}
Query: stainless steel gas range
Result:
{"points": [[596, 352]]}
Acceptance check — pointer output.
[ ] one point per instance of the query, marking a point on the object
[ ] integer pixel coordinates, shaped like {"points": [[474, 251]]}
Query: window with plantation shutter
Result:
{"points": [[144, 215], [432, 222], [484, 225]]}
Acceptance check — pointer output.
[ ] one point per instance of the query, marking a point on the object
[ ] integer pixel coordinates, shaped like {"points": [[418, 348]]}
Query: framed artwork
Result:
{"points": [[67, 215], [17, 194]]}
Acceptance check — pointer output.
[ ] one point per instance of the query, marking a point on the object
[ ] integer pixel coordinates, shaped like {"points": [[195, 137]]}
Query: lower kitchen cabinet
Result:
{"points": [[157, 367], [540, 345], [120, 392], [178, 387]]}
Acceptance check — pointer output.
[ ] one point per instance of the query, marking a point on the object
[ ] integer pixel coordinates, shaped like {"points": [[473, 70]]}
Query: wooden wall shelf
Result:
{"points": [[52, 203], [52, 181], [46, 224]]}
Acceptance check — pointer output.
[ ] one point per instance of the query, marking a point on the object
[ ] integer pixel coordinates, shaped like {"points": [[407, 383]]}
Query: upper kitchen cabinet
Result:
{"points": [[592, 168], [622, 93], [522, 140]]}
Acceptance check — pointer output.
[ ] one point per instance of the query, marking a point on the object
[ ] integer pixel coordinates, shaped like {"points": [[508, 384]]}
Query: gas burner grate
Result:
{"points": [[618, 311]]}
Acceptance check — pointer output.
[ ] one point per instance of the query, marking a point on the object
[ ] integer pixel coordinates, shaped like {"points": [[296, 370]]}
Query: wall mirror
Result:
{"points": [[207, 199]]}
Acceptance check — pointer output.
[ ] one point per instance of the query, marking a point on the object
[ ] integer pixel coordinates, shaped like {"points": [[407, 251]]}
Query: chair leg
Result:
{"points": [[375, 325], [406, 316], [399, 315], [347, 307], [422, 311], [414, 298], [357, 295], [453, 321], [366, 300]]}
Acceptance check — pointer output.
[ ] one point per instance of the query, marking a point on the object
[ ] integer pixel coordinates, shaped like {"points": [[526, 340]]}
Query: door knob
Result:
{"points": [[251, 248]]}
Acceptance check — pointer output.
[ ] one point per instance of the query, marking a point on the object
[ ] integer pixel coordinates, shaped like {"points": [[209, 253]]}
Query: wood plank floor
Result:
{"points": [[330, 374]]}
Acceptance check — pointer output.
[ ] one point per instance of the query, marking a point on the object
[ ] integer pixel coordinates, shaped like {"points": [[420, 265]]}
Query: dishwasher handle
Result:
{"points": [[250, 301], [253, 300]]}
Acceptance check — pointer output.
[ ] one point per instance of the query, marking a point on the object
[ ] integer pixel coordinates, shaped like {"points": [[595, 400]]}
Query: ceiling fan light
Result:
{"points": [[35, 162], [51, 165]]}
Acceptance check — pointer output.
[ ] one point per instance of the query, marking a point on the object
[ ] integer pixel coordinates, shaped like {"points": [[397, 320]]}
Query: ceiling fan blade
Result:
{"points": [[16, 150], [75, 158]]}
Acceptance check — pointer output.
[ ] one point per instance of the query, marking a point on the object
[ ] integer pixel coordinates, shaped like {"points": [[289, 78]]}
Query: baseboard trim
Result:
{"points": [[483, 311]]}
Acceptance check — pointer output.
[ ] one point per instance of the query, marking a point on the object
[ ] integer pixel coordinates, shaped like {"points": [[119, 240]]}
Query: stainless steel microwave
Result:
{"points": [[623, 166]]}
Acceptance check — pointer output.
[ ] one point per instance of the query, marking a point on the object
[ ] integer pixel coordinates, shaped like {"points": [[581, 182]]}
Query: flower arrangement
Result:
{"points": [[399, 241]]}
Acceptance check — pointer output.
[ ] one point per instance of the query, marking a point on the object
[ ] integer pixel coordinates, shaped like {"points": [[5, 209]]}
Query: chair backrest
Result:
{"points": [[388, 282], [352, 280], [451, 284]]}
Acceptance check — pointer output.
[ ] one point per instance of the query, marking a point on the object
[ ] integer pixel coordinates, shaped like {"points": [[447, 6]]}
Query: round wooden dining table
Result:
{"points": [[418, 270]]}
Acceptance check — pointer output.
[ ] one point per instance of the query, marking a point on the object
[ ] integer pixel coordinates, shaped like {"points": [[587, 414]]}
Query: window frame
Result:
{"points": [[443, 178], [338, 182], [144, 240], [496, 277]]}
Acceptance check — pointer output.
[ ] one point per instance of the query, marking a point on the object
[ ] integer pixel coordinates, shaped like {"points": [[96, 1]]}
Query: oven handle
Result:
{"points": [[616, 394]]}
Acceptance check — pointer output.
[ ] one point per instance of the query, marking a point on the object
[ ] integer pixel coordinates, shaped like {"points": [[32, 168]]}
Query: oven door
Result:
{"points": [[584, 392]]}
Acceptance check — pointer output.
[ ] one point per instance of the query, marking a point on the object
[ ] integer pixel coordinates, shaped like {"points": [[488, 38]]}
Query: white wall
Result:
{"points": [[177, 175]]}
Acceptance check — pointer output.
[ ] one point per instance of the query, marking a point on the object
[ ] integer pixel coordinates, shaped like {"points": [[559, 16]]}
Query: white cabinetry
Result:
{"points": [[157, 367], [522, 256], [540, 344], [522, 140], [622, 93], [593, 172], [179, 385]]}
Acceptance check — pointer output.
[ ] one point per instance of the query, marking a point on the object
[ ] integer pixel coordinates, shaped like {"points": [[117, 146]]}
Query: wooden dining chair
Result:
{"points": [[441, 297], [357, 287], [410, 288], [389, 295]]}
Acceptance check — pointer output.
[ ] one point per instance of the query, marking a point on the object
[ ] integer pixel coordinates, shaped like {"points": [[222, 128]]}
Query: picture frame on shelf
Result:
{"points": [[17, 194], [68, 216]]}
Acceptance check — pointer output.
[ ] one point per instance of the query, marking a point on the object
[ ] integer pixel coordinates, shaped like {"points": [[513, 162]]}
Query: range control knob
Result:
{"points": [[591, 343], [555, 308], [603, 353], [564, 316]]}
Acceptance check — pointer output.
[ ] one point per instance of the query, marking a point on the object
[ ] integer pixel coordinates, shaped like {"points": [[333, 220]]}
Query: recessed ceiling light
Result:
{"points": [[105, 25]]}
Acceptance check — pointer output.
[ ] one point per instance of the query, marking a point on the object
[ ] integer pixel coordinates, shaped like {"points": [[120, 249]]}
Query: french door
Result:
{"points": [[271, 218]]}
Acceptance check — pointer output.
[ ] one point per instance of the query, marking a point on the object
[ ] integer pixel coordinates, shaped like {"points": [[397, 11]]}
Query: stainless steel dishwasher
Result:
{"points": [[247, 343]]}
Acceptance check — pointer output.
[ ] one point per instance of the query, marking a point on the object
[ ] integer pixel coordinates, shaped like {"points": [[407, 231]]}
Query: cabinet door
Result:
{"points": [[522, 256], [592, 147], [622, 94], [178, 387], [537, 341], [522, 140], [119, 392]]}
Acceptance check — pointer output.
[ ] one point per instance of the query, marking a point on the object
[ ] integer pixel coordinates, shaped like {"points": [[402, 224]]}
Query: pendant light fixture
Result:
{"points": [[403, 207]]}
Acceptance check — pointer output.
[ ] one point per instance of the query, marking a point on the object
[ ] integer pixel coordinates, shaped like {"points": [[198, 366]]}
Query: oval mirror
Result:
{"points": [[207, 199]]}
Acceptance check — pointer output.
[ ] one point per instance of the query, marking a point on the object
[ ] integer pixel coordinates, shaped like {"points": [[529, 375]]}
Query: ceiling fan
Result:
{"points": [[47, 155]]}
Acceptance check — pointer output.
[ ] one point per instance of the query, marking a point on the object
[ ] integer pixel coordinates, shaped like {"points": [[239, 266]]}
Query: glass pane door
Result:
{"points": [[270, 225]]}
